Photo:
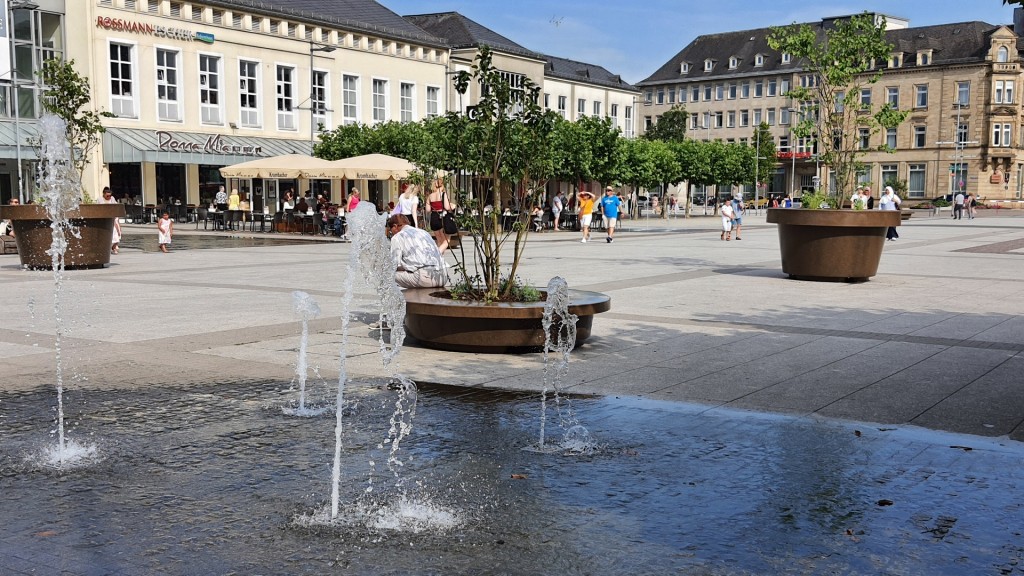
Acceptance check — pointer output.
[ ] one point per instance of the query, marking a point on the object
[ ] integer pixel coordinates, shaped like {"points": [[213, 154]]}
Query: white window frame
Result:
{"points": [[285, 96], [211, 114], [920, 96], [1002, 134], [759, 60], [380, 110], [913, 170], [709, 65], [249, 116], [581, 107], [628, 122], [920, 136], [320, 98], [614, 115], [597, 107], [963, 93], [890, 138], [733, 62], [892, 96], [349, 99], [406, 102], [563, 105], [434, 104], [786, 58], [119, 103], [167, 109]]}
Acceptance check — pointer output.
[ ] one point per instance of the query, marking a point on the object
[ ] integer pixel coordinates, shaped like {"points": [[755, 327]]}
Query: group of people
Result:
{"points": [[961, 204], [610, 206], [732, 217]]}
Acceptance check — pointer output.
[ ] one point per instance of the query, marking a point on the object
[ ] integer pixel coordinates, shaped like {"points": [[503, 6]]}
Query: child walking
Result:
{"points": [[165, 228]]}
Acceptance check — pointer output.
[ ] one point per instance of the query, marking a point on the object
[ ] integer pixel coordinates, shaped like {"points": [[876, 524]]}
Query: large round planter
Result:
{"points": [[90, 248], [832, 244], [440, 322]]}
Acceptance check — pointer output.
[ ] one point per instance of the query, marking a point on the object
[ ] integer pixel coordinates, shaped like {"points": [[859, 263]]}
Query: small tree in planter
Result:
{"points": [[505, 145], [843, 60]]}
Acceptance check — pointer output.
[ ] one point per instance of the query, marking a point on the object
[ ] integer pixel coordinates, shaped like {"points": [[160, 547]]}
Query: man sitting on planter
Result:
{"points": [[419, 262]]}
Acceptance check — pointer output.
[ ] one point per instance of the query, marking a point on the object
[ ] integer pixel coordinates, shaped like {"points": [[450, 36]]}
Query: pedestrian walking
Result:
{"points": [[586, 206], [958, 206], [889, 201], [727, 213], [969, 206], [610, 205]]}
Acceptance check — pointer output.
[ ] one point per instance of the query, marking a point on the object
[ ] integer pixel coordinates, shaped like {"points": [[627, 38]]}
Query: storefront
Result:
{"points": [[159, 166]]}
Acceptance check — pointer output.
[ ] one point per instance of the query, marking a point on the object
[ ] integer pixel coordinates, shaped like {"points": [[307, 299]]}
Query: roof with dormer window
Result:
{"points": [[949, 43], [461, 32]]}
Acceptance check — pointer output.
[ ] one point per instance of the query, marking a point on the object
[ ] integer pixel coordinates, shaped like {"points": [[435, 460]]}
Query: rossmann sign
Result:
{"points": [[121, 25]]}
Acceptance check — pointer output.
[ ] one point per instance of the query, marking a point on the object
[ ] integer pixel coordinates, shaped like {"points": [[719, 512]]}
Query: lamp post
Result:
{"points": [[314, 47]]}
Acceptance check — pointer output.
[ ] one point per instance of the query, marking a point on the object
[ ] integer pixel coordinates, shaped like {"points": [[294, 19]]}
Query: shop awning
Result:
{"points": [[11, 133], [169, 147], [287, 166]]}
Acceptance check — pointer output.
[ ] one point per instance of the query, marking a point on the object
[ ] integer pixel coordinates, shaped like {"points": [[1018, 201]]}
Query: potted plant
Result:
{"points": [[822, 240], [504, 144], [90, 226]]}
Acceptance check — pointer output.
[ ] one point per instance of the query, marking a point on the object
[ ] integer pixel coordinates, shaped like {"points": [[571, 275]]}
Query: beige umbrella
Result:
{"points": [[371, 167], [286, 166]]}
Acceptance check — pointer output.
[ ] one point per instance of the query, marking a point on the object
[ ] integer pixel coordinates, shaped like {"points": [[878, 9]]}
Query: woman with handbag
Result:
{"points": [[441, 215]]}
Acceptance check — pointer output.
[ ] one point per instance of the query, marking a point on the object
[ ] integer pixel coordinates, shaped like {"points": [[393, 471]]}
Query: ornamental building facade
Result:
{"points": [[959, 83]]}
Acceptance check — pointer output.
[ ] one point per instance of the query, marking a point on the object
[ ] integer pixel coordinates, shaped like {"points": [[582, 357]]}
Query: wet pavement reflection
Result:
{"points": [[149, 242], [208, 478]]}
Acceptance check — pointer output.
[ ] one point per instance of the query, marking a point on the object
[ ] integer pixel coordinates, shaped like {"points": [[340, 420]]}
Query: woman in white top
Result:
{"points": [[889, 201], [409, 204]]}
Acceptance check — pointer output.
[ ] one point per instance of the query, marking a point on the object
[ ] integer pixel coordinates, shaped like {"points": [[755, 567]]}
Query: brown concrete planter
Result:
{"points": [[832, 244], [95, 224], [440, 322]]}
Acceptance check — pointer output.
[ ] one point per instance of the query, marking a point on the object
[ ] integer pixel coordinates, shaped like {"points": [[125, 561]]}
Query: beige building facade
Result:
{"points": [[959, 82]]}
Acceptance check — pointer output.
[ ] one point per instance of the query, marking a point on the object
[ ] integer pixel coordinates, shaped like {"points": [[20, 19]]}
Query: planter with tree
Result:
{"points": [[821, 240], [90, 226]]}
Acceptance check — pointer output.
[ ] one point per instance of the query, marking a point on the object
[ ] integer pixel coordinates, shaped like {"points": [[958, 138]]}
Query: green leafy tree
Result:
{"points": [[670, 126], [843, 61], [764, 148], [66, 94]]}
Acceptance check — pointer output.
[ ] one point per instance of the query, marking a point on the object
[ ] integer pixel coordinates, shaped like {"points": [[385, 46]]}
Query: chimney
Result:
{"points": [[1018, 21]]}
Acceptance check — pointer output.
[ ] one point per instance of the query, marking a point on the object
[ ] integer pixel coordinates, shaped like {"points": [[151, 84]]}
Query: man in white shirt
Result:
{"points": [[958, 206], [419, 262]]}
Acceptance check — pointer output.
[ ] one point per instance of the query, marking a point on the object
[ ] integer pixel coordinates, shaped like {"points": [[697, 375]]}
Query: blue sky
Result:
{"points": [[635, 38]]}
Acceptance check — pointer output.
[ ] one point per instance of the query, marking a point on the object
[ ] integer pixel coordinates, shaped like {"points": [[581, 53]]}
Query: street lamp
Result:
{"points": [[314, 47]]}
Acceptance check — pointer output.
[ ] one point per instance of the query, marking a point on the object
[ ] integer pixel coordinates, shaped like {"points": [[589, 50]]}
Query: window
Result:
{"points": [[733, 62], [122, 95], [962, 130], [786, 58], [285, 87], [757, 117], [209, 89], [865, 97], [629, 122], [719, 91], [921, 96], [707, 92], [434, 97], [924, 58], [1003, 54], [963, 93], [563, 102], [718, 119], [684, 68], [1001, 135], [732, 90], [915, 183], [248, 93], [745, 90], [890, 138], [672, 96], [784, 116], [682, 94], [731, 119], [1003, 92], [771, 116], [919, 136], [615, 115], [694, 122], [695, 93], [581, 107], [349, 99], [892, 96], [863, 138], [167, 104], [759, 60], [840, 102], [889, 173], [597, 107], [758, 88], [808, 80], [771, 87], [896, 60], [649, 97], [318, 99], [784, 143], [784, 86], [648, 123], [406, 97], [744, 118], [661, 98], [709, 65], [380, 100]]}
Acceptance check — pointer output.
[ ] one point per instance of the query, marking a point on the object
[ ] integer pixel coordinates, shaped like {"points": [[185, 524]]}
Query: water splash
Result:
{"points": [[371, 254], [60, 191], [560, 338], [306, 308]]}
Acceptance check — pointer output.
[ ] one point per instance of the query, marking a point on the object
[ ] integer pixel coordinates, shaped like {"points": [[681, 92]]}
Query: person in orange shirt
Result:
{"points": [[586, 205]]}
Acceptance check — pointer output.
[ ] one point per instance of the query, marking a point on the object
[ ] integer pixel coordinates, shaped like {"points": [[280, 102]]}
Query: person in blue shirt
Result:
{"points": [[610, 205]]}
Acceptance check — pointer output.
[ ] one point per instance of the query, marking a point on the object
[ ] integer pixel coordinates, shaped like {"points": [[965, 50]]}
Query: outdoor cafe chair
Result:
{"points": [[202, 213]]}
